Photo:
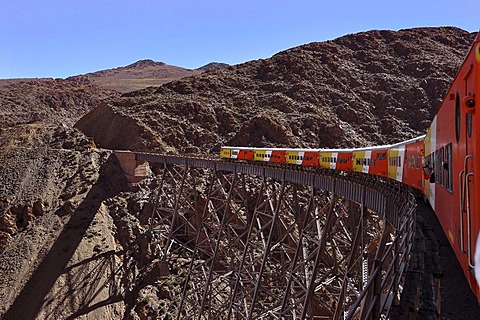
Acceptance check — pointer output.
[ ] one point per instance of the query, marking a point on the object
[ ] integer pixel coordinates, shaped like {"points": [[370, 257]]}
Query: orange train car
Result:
{"points": [[452, 147], [305, 157], [412, 164], [336, 159], [269, 155], [238, 153], [405, 162], [371, 160]]}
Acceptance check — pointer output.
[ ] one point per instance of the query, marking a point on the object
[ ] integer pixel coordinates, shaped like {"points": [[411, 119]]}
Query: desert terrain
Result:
{"points": [[73, 243]]}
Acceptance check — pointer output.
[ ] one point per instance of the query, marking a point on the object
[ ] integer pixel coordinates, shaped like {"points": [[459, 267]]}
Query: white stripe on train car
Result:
{"points": [[268, 154], [366, 166], [300, 157], [333, 164], [401, 155]]}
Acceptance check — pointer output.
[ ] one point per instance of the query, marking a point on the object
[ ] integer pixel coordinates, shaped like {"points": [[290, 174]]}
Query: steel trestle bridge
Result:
{"points": [[250, 241]]}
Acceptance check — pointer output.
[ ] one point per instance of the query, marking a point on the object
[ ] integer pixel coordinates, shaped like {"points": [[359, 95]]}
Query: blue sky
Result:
{"points": [[59, 38]]}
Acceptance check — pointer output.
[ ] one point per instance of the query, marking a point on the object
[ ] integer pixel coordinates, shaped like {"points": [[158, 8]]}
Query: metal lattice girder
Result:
{"points": [[256, 243], [280, 254]]}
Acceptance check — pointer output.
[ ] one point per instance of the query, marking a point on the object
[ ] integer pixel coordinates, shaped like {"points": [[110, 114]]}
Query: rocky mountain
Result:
{"points": [[141, 74], [71, 241], [213, 66], [55, 101], [373, 87]]}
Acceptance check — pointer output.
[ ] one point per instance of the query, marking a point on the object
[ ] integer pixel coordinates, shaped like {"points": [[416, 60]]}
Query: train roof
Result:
{"points": [[371, 148], [413, 140]]}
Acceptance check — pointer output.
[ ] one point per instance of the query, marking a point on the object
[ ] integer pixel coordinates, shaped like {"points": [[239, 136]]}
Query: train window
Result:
{"points": [[457, 117], [426, 161], [440, 175], [469, 124], [447, 167], [434, 164]]}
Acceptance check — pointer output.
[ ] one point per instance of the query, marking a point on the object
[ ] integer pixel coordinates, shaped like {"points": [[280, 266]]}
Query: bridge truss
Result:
{"points": [[245, 241]]}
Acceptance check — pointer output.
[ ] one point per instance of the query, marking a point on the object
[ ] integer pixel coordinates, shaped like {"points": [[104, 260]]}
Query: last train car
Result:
{"points": [[452, 147]]}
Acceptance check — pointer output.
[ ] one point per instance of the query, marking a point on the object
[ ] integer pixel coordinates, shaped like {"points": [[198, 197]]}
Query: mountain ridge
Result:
{"points": [[140, 74]]}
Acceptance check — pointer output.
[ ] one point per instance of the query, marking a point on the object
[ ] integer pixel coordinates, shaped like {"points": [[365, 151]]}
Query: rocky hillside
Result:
{"points": [[141, 74], [358, 90], [55, 101]]}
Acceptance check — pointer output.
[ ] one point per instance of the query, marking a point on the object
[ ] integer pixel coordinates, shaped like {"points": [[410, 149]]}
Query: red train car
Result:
{"points": [[269, 155], [372, 160], [303, 157], [239, 153], [452, 147], [336, 159]]}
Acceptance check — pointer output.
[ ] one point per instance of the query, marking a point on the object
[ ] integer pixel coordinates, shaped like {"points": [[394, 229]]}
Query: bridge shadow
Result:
{"points": [[32, 298]]}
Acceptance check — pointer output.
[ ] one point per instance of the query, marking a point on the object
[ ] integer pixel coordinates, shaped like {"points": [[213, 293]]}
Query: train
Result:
{"points": [[442, 164]]}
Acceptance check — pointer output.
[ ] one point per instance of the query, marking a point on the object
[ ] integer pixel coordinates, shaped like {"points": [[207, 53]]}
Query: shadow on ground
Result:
{"points": [[31, 299]]}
